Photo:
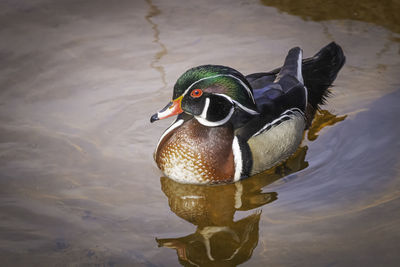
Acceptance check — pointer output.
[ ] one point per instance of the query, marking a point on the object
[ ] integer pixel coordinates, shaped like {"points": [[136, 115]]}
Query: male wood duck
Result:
{"points": [[230, 126]]}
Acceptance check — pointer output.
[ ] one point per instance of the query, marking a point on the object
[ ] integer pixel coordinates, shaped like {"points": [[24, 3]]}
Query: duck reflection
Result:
{"points": [[219, 240]]}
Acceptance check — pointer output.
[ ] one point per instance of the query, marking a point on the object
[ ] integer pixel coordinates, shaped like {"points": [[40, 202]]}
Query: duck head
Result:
{"points": [[212, 94]]}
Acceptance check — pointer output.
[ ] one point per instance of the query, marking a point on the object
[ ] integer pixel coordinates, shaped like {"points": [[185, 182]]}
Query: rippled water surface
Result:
{"points": [[79, 81]]}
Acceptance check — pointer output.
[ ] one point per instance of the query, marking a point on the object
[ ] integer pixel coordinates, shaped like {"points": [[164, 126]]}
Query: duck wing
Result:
{"points": [[276, 93], [318, 72]]}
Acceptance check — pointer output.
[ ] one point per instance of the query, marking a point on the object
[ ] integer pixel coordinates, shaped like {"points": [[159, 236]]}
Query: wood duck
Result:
{"points": [[230, 126]]}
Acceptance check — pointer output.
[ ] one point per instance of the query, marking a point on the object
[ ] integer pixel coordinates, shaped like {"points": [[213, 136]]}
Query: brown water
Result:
{"points": [[78, 186]]}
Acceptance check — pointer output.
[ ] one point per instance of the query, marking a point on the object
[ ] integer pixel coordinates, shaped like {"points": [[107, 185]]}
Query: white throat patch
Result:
{"points": [[202, 118]]}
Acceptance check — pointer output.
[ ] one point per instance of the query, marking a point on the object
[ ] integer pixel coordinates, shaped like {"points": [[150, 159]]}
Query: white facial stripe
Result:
{"points": [[219, 75], [237, 156], [205, 109], [208, 123], [173, 126], [248, 110]]}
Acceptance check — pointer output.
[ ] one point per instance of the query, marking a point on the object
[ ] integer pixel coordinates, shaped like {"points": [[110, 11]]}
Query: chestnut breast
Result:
{"points": [[193, 153]]}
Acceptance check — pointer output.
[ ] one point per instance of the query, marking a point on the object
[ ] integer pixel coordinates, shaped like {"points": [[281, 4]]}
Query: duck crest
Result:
{"points": [[194, 153]]}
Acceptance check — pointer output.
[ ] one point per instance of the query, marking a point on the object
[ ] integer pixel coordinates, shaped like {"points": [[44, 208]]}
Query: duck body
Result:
{"points": [[231, 126]]}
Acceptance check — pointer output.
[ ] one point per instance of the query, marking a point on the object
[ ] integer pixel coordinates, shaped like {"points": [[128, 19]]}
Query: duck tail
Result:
{"points": [[292, 66], [320, 71]]}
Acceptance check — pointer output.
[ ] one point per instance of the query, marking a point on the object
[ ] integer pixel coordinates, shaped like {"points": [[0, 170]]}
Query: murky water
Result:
{"points": [[79, 81]]}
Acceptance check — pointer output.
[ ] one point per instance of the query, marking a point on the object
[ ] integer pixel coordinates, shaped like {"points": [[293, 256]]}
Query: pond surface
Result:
{"points": [[78, 186]]}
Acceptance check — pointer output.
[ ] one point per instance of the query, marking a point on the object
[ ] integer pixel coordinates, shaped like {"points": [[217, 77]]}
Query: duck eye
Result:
{"points": [[196, 93]]}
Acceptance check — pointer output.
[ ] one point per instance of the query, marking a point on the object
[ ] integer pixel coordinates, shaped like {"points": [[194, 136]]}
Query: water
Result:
{"points": [[79, 82]]}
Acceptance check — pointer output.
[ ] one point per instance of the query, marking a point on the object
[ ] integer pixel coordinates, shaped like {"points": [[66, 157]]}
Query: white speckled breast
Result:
{"points": [[193, 153], [183, 164]]}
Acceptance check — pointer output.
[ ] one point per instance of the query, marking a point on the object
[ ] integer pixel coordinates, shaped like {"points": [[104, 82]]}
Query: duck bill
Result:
{"points": [[171, 109]]}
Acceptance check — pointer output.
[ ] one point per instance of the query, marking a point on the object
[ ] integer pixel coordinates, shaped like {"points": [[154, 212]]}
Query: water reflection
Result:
{"points": [[219, 239], [322, 119]]}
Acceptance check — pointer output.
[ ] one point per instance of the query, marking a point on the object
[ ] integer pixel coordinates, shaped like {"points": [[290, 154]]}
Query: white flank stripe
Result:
{"points": [[277, 119], [237, 156], [293, 109]]}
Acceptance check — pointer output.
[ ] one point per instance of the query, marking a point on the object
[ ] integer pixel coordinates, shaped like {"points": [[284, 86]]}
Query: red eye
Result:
{"points": [[196, 93]]}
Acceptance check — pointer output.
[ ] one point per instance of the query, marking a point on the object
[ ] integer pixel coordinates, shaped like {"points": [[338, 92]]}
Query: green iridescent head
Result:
{"points": [[212, 94], [216, 79]]}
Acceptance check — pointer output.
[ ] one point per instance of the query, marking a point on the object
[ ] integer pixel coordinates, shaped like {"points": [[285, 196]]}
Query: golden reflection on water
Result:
{"points": [[383, 13], [322, 119], [219, 240]]}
